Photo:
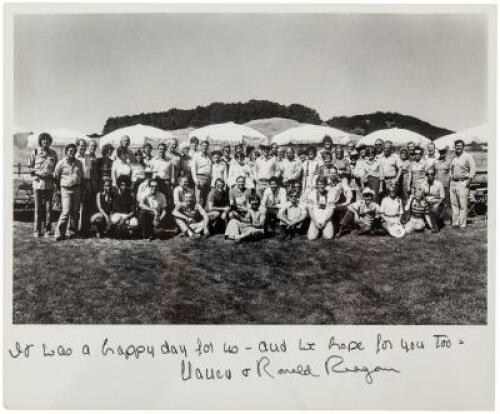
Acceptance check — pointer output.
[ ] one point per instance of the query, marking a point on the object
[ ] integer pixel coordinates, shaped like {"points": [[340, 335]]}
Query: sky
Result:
{"points": [[75, 71]]}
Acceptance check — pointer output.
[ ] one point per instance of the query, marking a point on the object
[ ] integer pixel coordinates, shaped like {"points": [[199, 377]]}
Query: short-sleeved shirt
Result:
{"points": [[391, 207], [237, 170], [239, 199], [138, 173], [418, 170], [218, 171], [390, 165], [373, 168], [219, 199], [155, 201], [163, 167], [121, 169], [442, 169], [416, 208]]}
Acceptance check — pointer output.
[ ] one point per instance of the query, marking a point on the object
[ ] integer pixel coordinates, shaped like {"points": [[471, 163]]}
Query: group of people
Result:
{"points": [[248, 193]]}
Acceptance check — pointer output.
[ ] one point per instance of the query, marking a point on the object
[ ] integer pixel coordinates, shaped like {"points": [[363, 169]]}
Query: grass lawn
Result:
{"points": [[422, 279]]}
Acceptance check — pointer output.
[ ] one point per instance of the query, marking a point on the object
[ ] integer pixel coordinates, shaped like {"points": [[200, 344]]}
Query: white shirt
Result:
{"points": [[391, 207], [291, 212], [265, 168], [273, 200]]}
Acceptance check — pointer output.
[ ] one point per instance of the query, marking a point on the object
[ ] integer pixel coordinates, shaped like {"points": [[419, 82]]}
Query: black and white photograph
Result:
{"points": [[250, 168]]}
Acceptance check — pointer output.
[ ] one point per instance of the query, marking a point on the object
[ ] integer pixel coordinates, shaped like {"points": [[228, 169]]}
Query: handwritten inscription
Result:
{"points": [[207, 360]]}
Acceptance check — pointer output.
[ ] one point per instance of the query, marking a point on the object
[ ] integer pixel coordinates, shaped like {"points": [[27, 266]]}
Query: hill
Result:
{"points": [[364, 124], [272, 126], [217, 112]]}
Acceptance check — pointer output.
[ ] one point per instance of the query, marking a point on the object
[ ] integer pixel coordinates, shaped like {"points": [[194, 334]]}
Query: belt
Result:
{"points": [[203, 175], [390, 178], [459, 179], [264, 179]]}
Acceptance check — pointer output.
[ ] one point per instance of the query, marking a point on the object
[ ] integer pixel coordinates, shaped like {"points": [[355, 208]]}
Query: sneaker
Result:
{"points": [[37, 234], [60, 237]]}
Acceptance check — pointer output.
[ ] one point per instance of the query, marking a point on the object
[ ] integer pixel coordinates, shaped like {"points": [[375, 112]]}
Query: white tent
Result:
{"points": [[139, 135], [60, 137], [479, 135], [310, 134], [397, 136], [229, 133]]}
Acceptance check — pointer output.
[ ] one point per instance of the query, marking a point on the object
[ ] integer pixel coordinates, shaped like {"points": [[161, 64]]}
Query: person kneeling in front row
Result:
{"points": [[152, 212], [292, 217], [364, 214], [191, 217], [320, 206]]}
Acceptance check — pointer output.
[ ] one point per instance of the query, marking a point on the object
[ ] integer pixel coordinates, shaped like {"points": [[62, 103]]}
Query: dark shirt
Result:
{"points": [[123, 202], [107, 202], [218, 198]]}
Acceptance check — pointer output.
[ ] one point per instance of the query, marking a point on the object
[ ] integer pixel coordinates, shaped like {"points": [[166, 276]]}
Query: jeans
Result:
{"points": [[70, 207], [43, 210]]}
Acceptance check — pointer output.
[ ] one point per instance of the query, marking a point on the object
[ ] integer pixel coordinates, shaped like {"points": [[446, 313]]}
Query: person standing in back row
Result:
{"points": [[463, 170], [201, 171]]}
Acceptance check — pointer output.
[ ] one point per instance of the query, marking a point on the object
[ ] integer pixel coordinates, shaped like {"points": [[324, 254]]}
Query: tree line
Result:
{"points": [[241, 112]]}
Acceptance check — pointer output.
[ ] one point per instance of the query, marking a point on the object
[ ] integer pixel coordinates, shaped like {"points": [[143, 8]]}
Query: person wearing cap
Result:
{"points": [[143, 188], [147, 154], [292, 216], [153, 211], [165, 172], [363, 214], [265, 168], [418, 169], [218, 206], [239, 167], [442, 169], [405, 177], [310, 170], [434, 196], [126, 152], [391, 213], [373, 177], [290, 168], [417, 209], [320, 206], [201, 172], [462, 170], [193, 146], [191, 217], [391, 167], [41, 164], [68, 176], [342, 165]]}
